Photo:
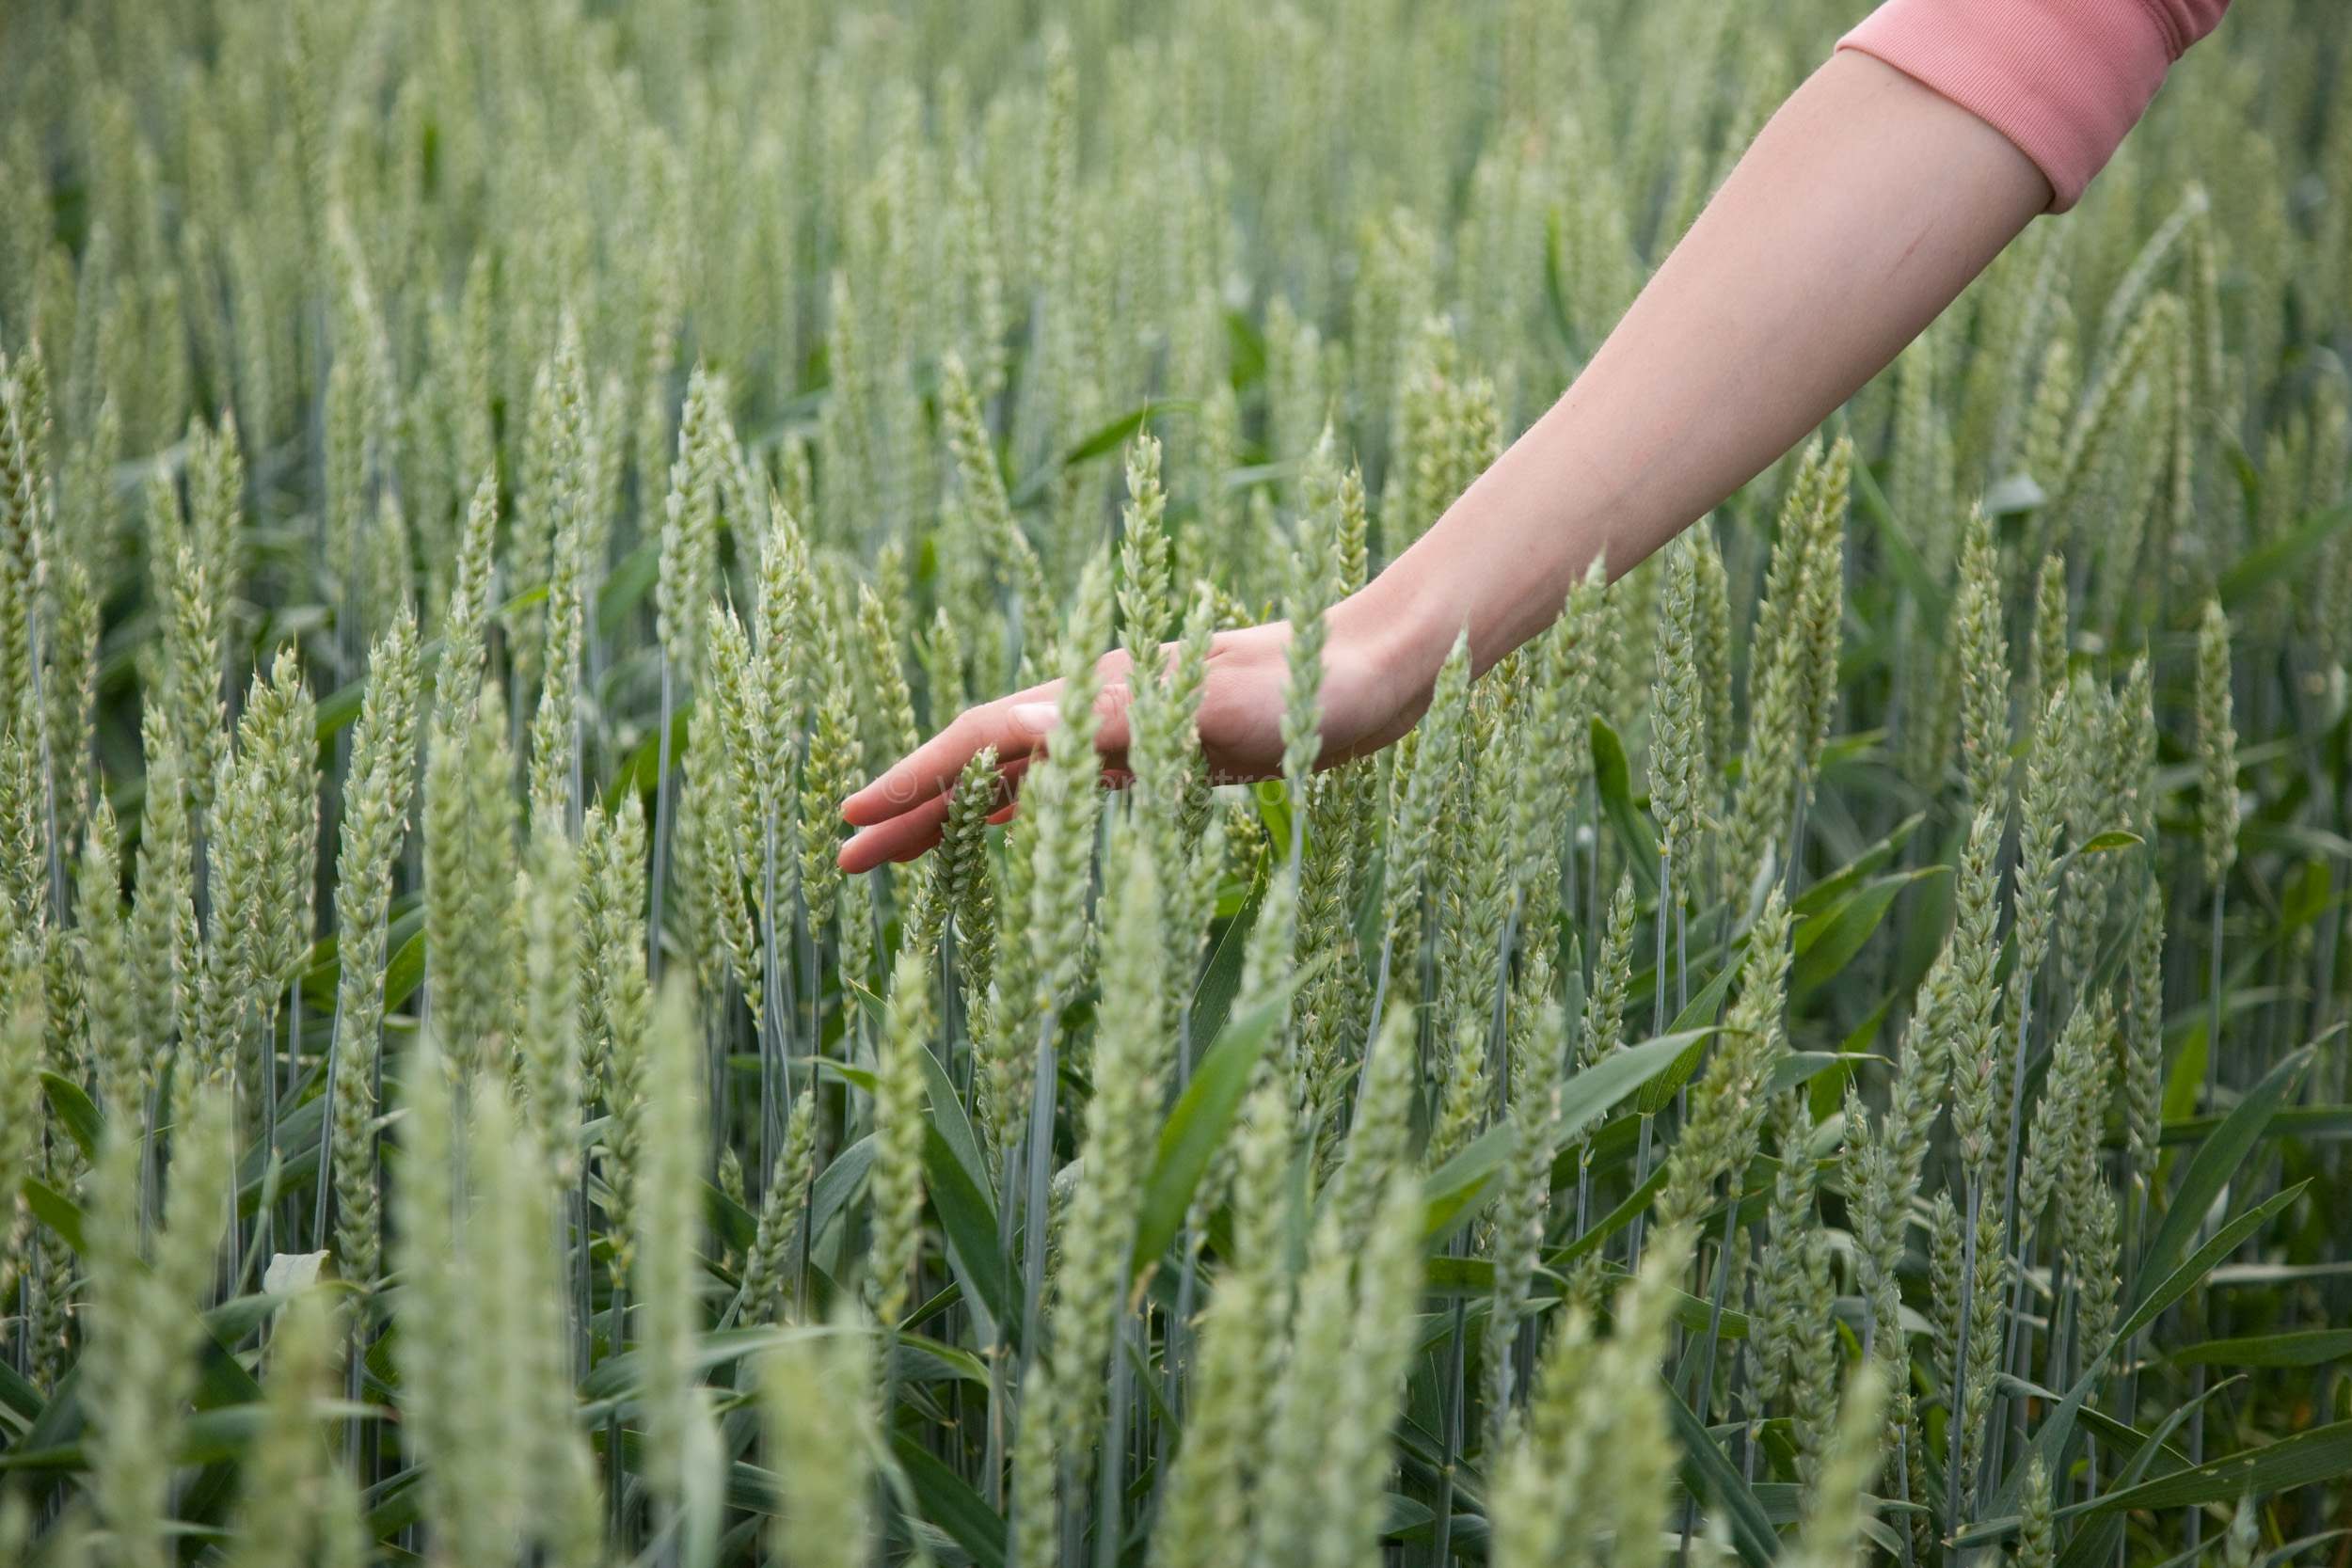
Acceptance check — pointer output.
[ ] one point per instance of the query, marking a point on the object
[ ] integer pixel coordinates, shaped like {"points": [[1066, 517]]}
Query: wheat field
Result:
{"points": [[1833, 1053]]}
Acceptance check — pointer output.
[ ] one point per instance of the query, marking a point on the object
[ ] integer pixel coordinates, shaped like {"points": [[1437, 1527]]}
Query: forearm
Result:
{"points": [[1859, 213]]}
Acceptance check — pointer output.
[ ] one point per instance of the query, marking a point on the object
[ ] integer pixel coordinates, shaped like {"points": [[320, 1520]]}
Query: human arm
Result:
{"points": [[1859, 212]]}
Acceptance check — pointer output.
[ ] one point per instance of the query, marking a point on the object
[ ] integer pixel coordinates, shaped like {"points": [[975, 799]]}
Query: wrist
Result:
{"points": [[1384, 645]]}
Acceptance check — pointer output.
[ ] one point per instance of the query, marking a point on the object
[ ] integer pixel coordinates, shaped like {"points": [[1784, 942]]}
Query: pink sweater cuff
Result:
{"points": [[2063, 79]]}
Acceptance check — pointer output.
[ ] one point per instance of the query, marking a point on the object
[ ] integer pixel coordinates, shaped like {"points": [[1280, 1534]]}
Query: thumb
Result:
{"points": [[1111, 731]]}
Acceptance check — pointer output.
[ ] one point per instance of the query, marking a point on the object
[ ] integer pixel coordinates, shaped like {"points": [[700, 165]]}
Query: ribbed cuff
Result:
{"points": [[2064, 81]]}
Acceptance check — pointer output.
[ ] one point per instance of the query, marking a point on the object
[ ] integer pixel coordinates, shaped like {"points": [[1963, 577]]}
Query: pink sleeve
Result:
{"points": [[2063, 79]]}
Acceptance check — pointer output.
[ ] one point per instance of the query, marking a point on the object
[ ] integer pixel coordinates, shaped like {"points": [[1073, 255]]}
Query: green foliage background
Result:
{"points": [[1836, 1049]]}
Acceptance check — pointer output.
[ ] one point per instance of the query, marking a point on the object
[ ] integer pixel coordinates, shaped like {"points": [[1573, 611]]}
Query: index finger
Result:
{"points": [[1015, 725], [917, 831]]}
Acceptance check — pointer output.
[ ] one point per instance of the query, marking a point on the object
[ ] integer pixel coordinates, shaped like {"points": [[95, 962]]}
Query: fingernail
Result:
{"points": [[1036, 717]]}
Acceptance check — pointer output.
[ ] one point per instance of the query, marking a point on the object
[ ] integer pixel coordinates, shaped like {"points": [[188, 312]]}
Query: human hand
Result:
{"points": [[1369, 699]]}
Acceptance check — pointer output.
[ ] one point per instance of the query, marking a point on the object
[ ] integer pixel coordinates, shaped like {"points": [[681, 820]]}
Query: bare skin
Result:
{"points": [[1860, 210]]}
